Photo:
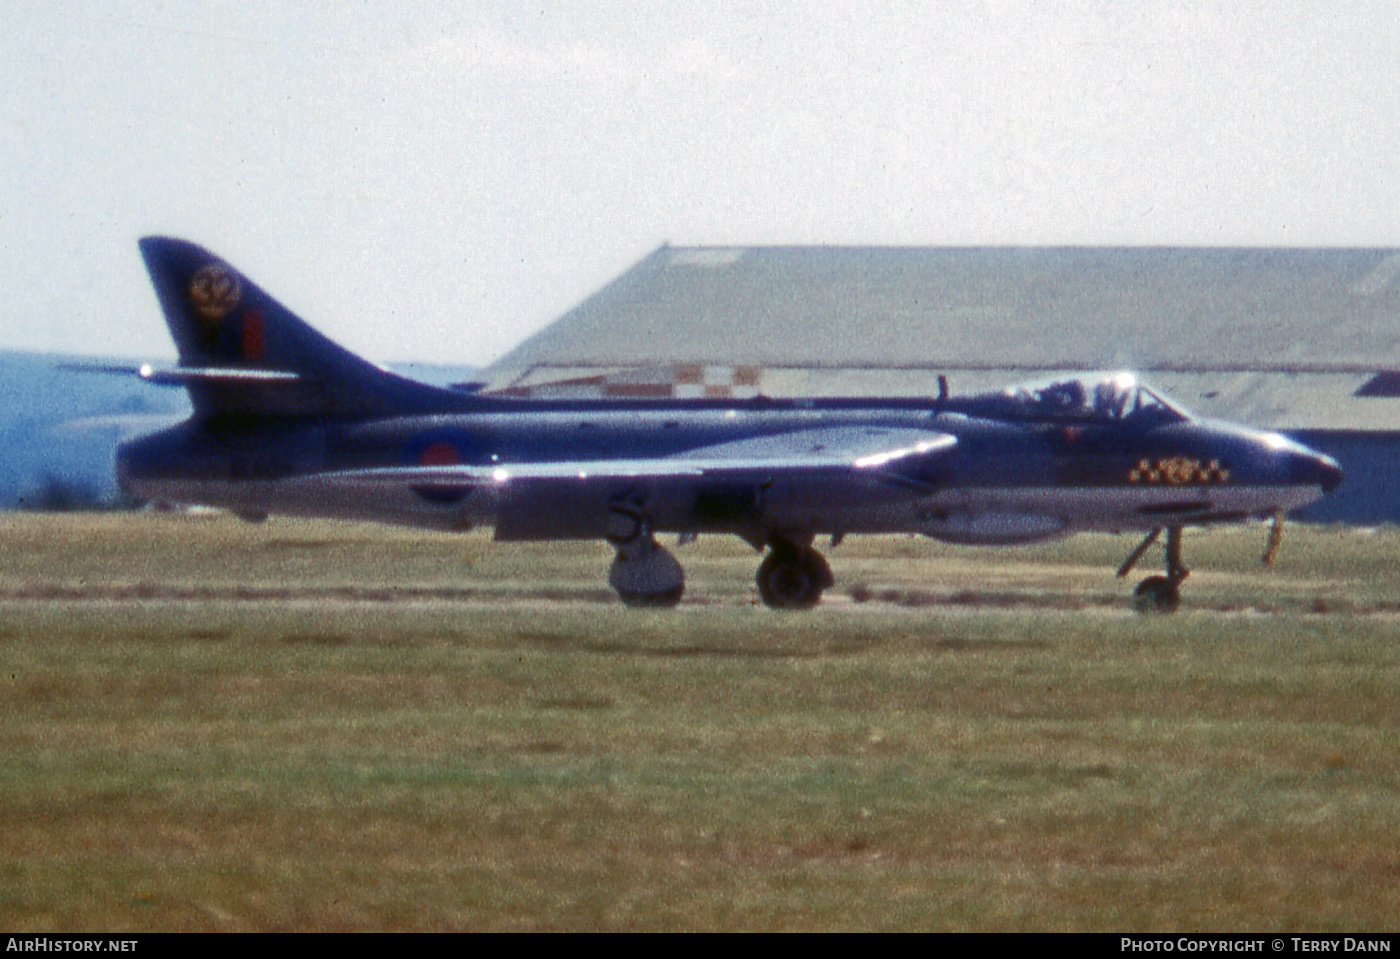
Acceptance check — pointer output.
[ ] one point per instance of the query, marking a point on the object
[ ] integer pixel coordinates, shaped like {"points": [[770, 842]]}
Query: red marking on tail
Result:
{"points": [[254, 337]]}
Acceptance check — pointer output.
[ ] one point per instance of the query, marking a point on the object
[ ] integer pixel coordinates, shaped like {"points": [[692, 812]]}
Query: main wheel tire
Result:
{"points": [[646, 576], [793, 579], [1156, 594], [667, 599]]}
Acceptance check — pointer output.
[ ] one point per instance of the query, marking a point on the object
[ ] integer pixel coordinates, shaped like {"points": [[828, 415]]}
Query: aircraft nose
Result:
{"points": [[1315, 469]]}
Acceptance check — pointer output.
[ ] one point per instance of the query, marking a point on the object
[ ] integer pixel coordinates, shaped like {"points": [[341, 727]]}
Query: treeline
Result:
{"points": [[54, 494]]}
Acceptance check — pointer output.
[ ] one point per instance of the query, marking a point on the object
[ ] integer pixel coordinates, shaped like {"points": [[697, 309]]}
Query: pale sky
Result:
{"points": [[436, 181]]}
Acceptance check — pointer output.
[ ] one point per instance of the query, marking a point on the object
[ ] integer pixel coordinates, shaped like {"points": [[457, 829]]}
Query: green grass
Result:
{"points": [[205, 725]]}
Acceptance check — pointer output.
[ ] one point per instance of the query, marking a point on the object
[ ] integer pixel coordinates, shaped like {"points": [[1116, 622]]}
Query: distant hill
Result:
{"points": [[59, 428]]}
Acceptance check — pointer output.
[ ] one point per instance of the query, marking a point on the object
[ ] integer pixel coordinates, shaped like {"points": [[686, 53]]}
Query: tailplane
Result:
{"points": [[243, 353]]}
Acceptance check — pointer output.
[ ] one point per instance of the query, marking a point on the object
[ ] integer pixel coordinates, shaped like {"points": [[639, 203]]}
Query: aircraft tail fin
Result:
{"points": [[243, 353]]}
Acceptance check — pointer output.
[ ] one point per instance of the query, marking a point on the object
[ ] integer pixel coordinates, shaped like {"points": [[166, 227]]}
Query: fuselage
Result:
{"points": [[1008, 479], [286, 421]]}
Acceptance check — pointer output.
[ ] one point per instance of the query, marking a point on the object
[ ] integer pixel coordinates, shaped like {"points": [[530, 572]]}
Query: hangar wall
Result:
{"points": [[1370, 494]]}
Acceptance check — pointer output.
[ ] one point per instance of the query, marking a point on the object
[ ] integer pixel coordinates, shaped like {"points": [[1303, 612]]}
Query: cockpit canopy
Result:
{"points": [[1102, 397]]}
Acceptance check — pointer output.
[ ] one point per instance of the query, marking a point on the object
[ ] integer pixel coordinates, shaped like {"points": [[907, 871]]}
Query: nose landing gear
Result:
{"points": [[1159, 594]]}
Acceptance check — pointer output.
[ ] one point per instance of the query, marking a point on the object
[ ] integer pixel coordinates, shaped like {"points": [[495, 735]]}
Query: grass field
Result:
{"points": [[206, 725]]}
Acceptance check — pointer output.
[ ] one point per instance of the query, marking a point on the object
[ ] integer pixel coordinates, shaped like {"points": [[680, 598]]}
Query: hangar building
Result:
{"points": [[1306, 341]]}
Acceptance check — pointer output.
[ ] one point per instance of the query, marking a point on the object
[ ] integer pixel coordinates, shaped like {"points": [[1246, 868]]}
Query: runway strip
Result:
{"points": [[885, 601]]}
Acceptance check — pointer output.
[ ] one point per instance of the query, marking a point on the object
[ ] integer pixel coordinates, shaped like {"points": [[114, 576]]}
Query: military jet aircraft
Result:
{"points": [[285, 421]]}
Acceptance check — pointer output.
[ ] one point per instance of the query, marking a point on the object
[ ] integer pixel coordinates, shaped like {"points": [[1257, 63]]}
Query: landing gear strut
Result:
{"points": [[1159, 594], [643, 573], [792, 576]]}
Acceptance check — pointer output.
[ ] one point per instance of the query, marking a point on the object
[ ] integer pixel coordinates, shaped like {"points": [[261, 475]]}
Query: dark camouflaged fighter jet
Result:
{"points": [[285, 421]]}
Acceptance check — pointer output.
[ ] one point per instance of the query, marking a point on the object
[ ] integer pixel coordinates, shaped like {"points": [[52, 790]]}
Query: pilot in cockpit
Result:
{"points": [[1065, 398], [1109, 400]]}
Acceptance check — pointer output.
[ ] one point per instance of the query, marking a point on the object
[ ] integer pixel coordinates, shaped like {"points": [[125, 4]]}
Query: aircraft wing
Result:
{"points": [[873, 448], [878, 450]]}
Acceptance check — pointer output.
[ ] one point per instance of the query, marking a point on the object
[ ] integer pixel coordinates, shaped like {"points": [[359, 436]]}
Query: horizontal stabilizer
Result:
{"points": [[183, 376]]}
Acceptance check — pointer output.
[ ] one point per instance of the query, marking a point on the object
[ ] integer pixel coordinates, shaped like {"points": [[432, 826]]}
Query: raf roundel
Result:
{"points": [[214, 291], [440, 453]]}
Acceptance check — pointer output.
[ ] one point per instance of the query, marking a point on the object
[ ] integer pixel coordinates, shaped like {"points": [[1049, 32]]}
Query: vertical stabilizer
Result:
{"points": [[243, 353]]}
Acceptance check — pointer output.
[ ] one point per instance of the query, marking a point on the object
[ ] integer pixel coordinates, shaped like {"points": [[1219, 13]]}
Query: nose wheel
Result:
{"points": [[1156, 594], [1159, 594]]}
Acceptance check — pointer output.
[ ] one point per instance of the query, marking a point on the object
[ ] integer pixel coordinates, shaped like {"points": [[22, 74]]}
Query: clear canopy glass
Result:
{"points": [[1118, 397]]}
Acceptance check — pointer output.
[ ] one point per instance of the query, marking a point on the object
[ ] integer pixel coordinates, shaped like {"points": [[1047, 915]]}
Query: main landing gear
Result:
{"points": [[643, 573], [1159, 594], [792, 576]]}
